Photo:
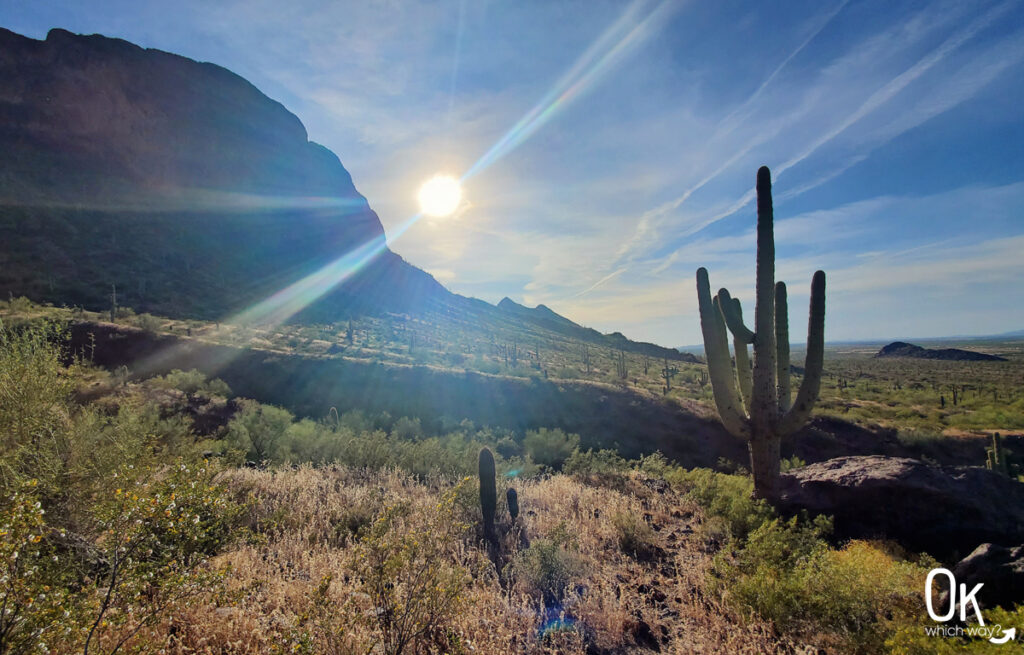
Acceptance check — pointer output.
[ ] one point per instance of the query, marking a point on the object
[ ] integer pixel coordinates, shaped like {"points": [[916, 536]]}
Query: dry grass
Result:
{"points": [[292, 590]]}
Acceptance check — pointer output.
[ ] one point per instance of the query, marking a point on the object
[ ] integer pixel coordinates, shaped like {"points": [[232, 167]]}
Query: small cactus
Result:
{"points": [[488, 491], [512, 498], [996, 457]]}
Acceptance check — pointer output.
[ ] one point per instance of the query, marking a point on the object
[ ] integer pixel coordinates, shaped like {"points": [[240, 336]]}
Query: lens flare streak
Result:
{"points": [[627, 32], [595, 61]]}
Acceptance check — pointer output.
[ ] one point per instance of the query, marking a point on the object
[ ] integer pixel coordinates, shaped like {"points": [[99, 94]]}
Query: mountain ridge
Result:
{"points": [[193, 194]]}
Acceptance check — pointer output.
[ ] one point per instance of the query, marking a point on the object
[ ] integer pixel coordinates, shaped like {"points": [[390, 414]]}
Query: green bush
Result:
{"points": [[603, 467], [407, 428], [910, 638], [35, 406], [100, 539], [550, 447], [148, 322], [192, 382], [259, 430], [729, 497], [788, 574]]}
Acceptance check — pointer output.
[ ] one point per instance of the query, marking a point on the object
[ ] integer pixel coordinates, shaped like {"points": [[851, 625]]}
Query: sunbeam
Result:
{"points": [[629, 30], [598, 59]]}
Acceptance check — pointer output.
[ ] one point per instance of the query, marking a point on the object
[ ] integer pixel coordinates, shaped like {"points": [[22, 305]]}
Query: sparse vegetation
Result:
{"points": [[358, 534]]}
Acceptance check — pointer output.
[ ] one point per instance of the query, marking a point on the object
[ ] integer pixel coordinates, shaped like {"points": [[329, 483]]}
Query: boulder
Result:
{"points": [[945, 511], [999, 569]]}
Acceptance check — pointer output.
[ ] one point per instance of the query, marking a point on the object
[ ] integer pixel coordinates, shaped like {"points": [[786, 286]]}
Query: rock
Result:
{"points": [[1000, 569], [642, 634], [945, 511]]}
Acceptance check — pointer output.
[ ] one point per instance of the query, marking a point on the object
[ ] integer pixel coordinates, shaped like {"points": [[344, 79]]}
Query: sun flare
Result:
{"points": [[440, 196]]}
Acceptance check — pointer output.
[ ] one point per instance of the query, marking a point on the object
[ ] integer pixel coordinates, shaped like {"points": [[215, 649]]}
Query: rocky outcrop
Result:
{"points": [[903, 349], [945, 511]]}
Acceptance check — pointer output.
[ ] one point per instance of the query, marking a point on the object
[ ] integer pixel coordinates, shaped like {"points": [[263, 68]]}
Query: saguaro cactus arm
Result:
{"points": [[733, 313], [782, 346], [813, 364], [716, 351], [739, 347]]}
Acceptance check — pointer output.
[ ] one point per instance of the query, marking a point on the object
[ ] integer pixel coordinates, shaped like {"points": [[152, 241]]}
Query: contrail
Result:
{"points": [[601, 281], [726, 126]]}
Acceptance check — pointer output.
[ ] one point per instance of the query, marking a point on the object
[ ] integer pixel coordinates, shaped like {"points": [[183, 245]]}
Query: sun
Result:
{"points": [[440, 196]]}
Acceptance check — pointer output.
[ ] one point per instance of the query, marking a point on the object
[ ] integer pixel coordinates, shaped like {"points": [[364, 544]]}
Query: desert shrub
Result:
{"points": [[635, 536], [566, 373], [407, 428], [304, 441], [790, 463], [259, 430], [35, 392], [508, 447], [603, 467], [19, 304], [550, 447], [34, 590], [855, 596], [910, 638], [548, 567], [596, 462], [485, 365], [148, 322], [656, 465], [192, 382], [729, 497], [454, 358], [100, 540], [156, 535], [410, 573]]}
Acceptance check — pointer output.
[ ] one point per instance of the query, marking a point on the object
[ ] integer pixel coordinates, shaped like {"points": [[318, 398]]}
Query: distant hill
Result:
{"points": [[194, 193], [903, 349]]}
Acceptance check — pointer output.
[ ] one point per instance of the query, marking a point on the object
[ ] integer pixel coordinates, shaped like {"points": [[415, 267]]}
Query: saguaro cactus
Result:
{"points": [[512, 500], [488, 491], [755, 404]]}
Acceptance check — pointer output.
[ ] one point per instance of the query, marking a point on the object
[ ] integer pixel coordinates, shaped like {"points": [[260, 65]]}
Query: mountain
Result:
{"points": [[193, 194], [177, 181], [903, 349]]}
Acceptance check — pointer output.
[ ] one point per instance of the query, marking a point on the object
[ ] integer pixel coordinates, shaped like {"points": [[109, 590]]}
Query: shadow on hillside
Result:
{"points": [[604, 417]]}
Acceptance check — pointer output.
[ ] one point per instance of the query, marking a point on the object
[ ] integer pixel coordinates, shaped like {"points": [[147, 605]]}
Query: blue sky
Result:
{"points": [[895, 132]]}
